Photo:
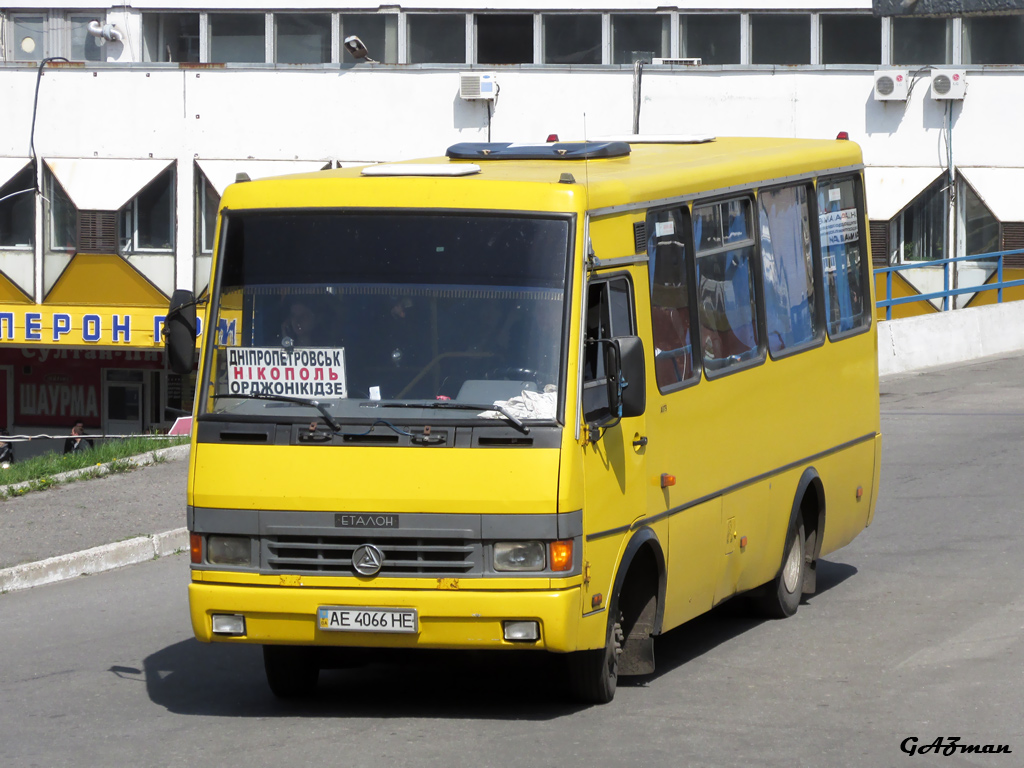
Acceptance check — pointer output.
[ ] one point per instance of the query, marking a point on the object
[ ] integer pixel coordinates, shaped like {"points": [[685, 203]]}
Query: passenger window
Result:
{"points": [[610, 313], [843, 260], [726, 299], [787, 263], [671, 327]]}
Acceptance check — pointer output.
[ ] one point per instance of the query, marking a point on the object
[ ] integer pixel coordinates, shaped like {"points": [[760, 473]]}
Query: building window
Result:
{"points": [[572, 39], [714, 38], [302, 38], [504, 38], [379, 33], [921, 41], [26, 37], [83, 46], [147, 222], [238, 37], [780, 38], [63, 217], [787, 264], [18, 211], [209, 201], [437, 38], [994, 40], [981, 228], [851, 39], [639, 36], [170, 37], [921, 226]]}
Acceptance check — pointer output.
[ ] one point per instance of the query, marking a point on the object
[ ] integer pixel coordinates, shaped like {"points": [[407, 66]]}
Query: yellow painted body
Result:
{"points": [[737, 445]]}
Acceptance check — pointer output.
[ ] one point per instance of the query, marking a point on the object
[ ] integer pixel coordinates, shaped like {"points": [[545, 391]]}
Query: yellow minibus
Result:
{"points": [[561, 397]]}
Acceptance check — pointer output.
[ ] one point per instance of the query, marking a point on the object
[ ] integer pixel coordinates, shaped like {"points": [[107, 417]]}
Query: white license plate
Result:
{"points": [[351, 619]]}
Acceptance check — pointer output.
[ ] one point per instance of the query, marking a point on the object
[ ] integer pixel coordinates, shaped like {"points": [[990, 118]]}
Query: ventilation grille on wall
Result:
{"points": [[879, 244], [1013, 239], [640, 236], [97, 232]]}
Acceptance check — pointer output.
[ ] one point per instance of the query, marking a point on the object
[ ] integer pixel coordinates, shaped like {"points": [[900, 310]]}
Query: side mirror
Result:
{"points": [[180, 331], [622, 391], [633, 391]]}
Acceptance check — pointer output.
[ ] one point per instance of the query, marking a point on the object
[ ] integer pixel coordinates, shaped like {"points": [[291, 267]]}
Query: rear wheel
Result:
{"points": [[593, 675], [781, 597], [292, 671]]}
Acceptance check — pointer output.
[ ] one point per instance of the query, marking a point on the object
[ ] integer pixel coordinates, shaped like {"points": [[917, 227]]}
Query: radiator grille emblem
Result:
{"points": [[367, 560]]}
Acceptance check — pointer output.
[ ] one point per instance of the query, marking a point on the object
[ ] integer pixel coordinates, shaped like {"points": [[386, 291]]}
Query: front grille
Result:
{"points": [[402, 556]]}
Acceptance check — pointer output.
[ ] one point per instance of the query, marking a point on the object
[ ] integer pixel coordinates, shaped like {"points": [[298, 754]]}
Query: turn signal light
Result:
{"points": [[667, 480], [561, 555], [195, 545]]}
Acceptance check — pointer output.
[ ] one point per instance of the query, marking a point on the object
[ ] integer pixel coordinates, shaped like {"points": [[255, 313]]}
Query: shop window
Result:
{"points": [[170, 37], [18, 211], [572, 39], [26, 37], [63, 217], [238, 37], [843, 258], [981, 228], [921, 41], [379, 33], [147, 222], [787, 264], [639, 36], [302, 38], [725, 284], [504, 38], [671, 301], [714, 38], [438, 38], [994, 40], [920, 228], [82, 46], [780, 38], [851, 39]]}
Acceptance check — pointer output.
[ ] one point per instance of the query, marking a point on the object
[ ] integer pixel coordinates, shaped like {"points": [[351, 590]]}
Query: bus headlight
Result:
{"points": [[228, 550], [519, 556]]}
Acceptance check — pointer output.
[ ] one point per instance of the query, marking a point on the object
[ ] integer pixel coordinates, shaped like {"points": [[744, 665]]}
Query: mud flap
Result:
{"points": [[638, 650]]}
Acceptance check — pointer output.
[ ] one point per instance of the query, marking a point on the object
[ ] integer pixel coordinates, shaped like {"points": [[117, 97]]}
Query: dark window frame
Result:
{"points": [[867, 276]]}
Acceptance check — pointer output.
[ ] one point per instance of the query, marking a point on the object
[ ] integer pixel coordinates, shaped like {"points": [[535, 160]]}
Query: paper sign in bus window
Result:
{"points": [[838, 227], [307, 373]]}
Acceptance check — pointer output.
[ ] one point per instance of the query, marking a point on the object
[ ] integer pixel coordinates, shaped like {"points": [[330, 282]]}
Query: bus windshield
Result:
{"points": [[359, 310]]}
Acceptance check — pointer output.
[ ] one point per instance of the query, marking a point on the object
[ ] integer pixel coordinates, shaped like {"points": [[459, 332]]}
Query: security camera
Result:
{"points": [[357, 48]]}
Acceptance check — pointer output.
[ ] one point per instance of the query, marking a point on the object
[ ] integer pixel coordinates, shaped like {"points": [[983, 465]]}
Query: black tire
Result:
{"points": [[594, 675], [781, 597], [292, 671]]}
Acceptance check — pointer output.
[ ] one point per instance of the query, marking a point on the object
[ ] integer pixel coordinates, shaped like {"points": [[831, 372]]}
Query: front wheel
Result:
{"points": [[593, 675], [781, 597], [292, 671]]}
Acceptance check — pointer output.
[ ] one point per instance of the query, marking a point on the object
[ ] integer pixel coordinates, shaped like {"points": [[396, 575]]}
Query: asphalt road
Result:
{"points": [[917, 632]]}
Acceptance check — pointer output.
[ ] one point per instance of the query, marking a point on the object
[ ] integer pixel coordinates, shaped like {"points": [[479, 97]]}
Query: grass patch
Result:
{"points": [[39, 470]]}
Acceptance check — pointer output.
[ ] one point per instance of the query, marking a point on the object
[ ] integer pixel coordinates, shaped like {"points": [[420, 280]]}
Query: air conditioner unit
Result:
{"points": [[948, 83], [891, 85], [478, 85], [687, 62]]}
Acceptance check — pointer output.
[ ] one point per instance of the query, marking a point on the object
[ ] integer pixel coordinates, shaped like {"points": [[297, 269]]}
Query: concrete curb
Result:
{"points": [[95, 560]]}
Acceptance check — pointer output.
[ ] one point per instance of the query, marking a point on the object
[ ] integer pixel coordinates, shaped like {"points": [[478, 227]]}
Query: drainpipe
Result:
{"points": [[638, 69]]}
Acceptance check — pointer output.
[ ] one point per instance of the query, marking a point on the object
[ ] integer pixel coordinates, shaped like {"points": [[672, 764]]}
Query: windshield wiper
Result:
{"points": [[453, 406], [334, 426]]}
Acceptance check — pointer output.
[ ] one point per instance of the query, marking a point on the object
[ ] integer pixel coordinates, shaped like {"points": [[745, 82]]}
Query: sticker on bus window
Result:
{"points": [[664, 228], [838, 227], [307, 373], [835, 194]]}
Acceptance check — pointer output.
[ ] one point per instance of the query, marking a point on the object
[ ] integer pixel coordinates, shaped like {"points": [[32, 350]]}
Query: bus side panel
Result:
{"points": [[693, 568], [842, 475]]}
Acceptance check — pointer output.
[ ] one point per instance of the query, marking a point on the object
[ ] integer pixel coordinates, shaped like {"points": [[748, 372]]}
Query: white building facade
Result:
{"points": [[122, 125]]}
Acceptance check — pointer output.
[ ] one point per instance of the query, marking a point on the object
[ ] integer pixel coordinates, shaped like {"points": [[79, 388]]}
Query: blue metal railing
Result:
{"points": [[889, 302]]}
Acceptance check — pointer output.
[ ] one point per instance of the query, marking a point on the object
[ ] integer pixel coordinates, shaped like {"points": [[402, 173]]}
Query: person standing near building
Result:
{"points": [[77, 442]]}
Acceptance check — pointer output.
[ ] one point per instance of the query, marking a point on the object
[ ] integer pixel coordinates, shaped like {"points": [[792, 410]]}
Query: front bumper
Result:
{"points": [[448, 618]]}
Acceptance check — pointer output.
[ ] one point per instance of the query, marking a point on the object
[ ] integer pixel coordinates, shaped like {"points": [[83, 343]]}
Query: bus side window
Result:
{"points": [[726, 298], [843, 260], [671, 329], [787, 263], [610, 313]]}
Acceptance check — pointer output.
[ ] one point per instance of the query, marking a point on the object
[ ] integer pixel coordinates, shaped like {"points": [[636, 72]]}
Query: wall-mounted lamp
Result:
{"points": [[357, 48]]}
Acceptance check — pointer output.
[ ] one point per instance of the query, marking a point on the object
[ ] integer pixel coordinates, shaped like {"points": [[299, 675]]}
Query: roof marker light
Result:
{"points": [[842, 136], [552, 137]]}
